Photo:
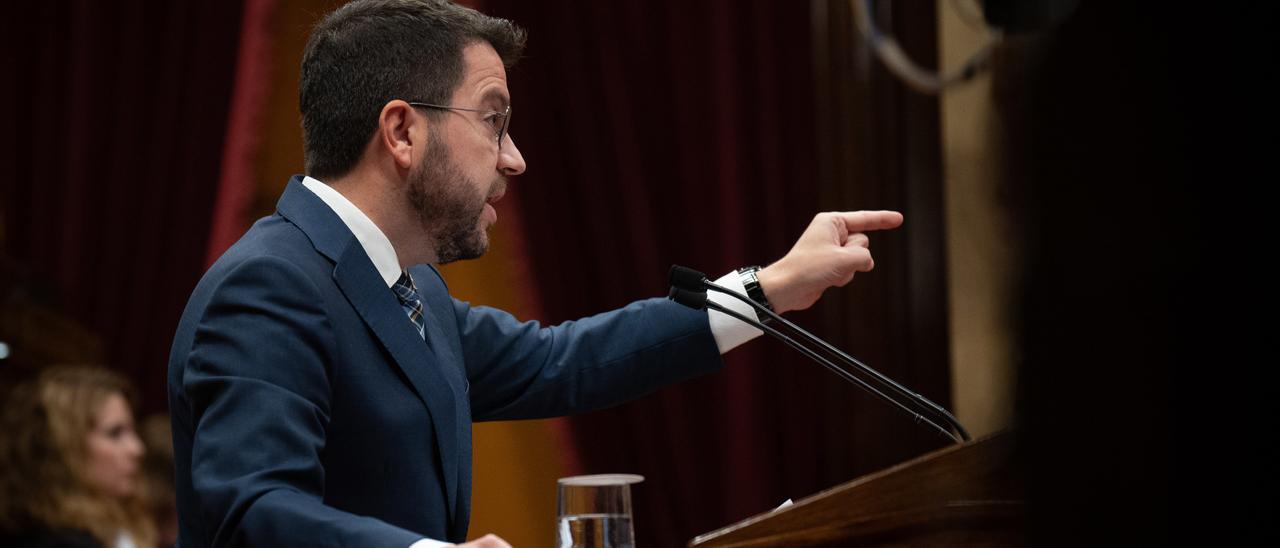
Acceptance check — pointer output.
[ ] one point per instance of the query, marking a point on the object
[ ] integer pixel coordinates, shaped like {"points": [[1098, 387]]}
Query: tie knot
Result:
{"points": [[407, 293], [405, 290]]}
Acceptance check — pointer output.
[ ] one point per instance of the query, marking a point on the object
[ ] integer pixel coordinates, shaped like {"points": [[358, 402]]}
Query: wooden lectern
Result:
{"points": [[968, 495]]}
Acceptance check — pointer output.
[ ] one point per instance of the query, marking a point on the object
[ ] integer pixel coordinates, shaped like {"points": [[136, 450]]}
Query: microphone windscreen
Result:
{"points": [[696, 300], [686, 278]]}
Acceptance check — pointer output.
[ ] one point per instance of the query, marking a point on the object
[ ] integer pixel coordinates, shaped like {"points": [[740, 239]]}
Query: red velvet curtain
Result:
{"points": [[111, 147], [660, 132]]}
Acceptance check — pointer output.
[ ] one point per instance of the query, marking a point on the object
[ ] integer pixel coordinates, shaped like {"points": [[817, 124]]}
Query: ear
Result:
{"points": [[399, 130]]}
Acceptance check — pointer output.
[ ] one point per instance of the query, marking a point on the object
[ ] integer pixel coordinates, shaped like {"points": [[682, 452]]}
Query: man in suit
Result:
{"points": [[323, 382]]}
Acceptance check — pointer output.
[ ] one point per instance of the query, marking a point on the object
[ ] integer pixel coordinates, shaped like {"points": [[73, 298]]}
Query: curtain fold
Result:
{"points": [[239, 181]]}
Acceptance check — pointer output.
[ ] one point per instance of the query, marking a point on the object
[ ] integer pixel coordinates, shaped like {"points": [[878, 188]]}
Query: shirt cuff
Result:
{"points": [[428, 543], [729, 332]]}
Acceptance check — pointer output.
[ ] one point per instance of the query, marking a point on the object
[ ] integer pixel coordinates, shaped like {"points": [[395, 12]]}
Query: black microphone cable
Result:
{"points": [[687, 278], [698, 301]]}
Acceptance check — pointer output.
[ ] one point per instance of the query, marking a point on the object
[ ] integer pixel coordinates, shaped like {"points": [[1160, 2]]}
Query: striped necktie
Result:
{"points": [[407, 294]]}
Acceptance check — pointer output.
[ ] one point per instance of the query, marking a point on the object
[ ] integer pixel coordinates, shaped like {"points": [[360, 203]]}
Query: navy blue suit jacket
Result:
{"points": [[307, 410]]}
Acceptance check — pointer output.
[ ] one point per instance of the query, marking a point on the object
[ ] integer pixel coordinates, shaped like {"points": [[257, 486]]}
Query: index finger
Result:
{"points": [[862, 221]]}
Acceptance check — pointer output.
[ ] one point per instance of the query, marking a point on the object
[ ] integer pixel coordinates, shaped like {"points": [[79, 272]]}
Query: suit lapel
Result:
{"points": [[368, 293]]}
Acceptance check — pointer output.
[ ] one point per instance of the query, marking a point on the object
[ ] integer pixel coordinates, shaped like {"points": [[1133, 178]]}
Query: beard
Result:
{"points": [[449, 205]]}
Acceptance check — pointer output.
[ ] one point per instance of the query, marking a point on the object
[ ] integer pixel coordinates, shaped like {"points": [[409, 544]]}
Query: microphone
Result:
{"points": [[687, 278], [689, 288], [696, 300]]}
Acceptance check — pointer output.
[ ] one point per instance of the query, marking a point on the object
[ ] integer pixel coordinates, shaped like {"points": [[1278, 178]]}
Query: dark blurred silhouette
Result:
{"points": [[157, 468], [1124, 143]]}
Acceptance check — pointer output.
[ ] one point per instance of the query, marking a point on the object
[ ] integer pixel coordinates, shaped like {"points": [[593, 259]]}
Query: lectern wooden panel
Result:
{"points": [[966, 494]]}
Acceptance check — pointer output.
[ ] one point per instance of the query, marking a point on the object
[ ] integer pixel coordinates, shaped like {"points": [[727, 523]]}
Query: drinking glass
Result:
{"points": [[595, 511]]}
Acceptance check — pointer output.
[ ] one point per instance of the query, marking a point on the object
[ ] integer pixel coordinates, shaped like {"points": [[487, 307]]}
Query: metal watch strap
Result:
{"points": [[752, 284]]}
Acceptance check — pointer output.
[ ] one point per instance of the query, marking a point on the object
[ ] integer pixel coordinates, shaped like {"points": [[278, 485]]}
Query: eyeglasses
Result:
{"points": [[497, 120]]}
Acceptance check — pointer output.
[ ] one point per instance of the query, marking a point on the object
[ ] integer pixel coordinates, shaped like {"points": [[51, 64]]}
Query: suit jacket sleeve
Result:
{"points": [[258, 387], [521, 370]]}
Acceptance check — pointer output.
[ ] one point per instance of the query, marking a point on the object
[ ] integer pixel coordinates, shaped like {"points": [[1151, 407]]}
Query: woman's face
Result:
{"points": [[114, 449]]}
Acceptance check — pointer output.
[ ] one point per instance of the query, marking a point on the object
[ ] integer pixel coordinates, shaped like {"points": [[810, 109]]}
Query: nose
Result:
{"points": [[510, 162], [135, 447]]}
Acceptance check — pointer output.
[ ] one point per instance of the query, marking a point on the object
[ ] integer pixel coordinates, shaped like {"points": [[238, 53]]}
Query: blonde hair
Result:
{"points": [[43, 451]]}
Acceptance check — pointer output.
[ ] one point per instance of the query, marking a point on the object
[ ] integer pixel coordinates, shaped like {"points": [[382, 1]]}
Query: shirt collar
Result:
{"points": [[375, 243]]}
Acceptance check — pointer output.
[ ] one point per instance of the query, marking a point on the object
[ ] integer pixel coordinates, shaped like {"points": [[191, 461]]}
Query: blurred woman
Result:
{"points": [[70, 463]]}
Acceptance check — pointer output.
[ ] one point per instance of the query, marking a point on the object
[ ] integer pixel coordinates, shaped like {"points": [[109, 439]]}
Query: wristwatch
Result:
{"points": [[752, 284]]}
